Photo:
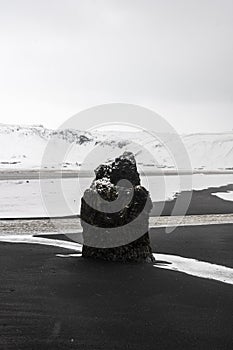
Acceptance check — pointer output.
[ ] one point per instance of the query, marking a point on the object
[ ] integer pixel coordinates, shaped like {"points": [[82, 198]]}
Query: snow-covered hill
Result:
{"points": [[23, 147]]}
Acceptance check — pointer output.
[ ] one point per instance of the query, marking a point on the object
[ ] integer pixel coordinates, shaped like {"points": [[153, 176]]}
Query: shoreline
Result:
{"points": [[24, 174], [72, 225]]}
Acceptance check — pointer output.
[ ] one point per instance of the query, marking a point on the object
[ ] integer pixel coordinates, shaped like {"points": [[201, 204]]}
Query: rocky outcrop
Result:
{"points": [[115, 214]]}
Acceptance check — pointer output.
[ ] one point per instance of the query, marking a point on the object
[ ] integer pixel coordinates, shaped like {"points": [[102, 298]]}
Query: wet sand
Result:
{"points": [[48, 302]]}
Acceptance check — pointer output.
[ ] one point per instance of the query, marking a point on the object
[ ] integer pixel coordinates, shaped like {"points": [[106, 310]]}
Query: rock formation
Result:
{"points": [[115, 214]]}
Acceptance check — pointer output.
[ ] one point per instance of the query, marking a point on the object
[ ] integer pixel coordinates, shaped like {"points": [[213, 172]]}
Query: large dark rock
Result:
{"points": [[115, 214]]}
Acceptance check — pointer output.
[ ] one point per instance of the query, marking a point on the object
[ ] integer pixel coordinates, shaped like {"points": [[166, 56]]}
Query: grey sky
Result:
{"points": [[173, 56]]}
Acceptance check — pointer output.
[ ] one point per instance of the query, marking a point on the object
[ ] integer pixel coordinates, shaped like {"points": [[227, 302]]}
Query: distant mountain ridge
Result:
{"points": [[23, 147]]}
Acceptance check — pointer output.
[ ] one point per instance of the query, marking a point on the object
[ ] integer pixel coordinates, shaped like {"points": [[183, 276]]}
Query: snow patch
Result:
{"points": [[227, 196]]}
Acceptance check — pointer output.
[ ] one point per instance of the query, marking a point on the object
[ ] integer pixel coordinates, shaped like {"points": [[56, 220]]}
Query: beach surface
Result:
{"points": [[50, 302]]}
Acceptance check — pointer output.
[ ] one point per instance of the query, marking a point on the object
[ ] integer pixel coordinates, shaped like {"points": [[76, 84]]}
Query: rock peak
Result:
{"points": [[122, 168]]}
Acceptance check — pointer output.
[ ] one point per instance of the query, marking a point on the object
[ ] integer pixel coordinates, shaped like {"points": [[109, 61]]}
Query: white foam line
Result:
{"points": [[177, 263], [195, 268], [78, 255], [40, 240]]}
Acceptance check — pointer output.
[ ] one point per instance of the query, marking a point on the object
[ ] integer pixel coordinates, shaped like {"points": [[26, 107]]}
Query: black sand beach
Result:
{"points": [[49, 302]]}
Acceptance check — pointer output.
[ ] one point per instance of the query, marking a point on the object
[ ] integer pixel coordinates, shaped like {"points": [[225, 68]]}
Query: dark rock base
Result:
{"points": [[138, 251]]}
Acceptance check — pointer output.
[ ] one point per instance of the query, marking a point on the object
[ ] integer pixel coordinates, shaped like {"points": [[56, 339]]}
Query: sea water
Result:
{"points": [[61, 197]]}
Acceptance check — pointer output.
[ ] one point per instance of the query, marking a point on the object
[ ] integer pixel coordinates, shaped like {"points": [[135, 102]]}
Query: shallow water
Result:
{"points": [[58, 197]]}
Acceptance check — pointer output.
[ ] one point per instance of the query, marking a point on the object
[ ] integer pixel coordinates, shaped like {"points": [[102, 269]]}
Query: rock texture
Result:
{"points": [[115, 213]]}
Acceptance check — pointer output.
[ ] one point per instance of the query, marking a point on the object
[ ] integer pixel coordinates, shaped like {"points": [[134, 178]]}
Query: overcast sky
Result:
{"points": [[173, 56]]}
